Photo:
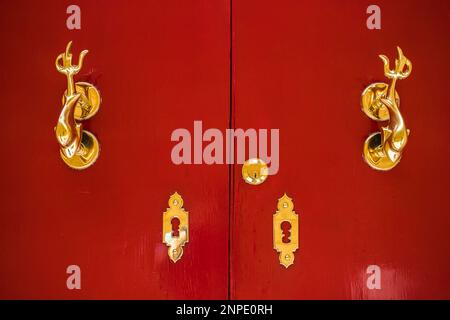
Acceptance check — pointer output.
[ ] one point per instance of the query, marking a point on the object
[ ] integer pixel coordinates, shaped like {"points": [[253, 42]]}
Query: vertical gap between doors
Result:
{"points": [[231, 166]]}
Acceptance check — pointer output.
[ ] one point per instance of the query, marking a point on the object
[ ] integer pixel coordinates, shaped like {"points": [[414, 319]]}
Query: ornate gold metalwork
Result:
{"points": [[78, 148], [380, 102], [255, 171], [175, 243], [285, 213]]}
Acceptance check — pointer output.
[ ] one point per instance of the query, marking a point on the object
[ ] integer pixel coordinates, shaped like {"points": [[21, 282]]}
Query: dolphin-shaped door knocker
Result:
{"points": [[380, 102], [78, 148]]}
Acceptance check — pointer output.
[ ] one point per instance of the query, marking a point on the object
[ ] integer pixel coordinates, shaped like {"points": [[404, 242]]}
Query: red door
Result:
{"points": [[296, 66], [301, 66], [159, 65]]}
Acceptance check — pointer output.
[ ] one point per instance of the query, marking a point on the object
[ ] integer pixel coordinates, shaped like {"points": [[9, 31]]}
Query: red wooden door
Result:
{"points": [[298, 66], [301, 66], [159, 65]]}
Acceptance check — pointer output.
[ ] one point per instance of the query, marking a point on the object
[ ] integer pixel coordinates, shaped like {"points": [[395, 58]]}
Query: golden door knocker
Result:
{"points": [[285, 231], [78, 148], [380, 102], [175, 232]]}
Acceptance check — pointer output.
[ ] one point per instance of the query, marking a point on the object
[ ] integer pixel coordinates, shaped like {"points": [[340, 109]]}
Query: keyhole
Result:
{"points": [[286, 227], [175, 227]]}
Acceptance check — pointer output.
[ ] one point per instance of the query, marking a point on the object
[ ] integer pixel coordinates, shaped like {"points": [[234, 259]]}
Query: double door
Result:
{"points": [[298, 67]]}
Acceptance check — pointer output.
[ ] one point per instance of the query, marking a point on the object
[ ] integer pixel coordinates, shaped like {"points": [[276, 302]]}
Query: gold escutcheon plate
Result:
{"points": [[88, 103], [285, 213], [255, 171], [87, 154]]}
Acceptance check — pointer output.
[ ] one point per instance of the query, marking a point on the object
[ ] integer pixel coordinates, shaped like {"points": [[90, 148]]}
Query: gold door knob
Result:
{"points": [[78, 148], [380, 102]]}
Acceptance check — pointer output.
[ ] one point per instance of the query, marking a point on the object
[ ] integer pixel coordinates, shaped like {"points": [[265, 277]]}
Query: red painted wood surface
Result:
{"points": [[301, 66], [159, 65]]}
